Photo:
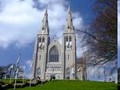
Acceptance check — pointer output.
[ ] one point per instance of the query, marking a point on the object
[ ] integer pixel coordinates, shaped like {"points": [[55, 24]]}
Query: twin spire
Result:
{"points": [[44, 25], [68, 25]]}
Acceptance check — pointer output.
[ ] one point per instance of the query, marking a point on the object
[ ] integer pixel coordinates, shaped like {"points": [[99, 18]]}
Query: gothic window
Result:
{"points": [[53, 54], [40, 39], [42, 28], [70, 43], [40, 57], [66, 38], [68, 27], [38, 71], [68, 57], [43, 39], [70, 38]]}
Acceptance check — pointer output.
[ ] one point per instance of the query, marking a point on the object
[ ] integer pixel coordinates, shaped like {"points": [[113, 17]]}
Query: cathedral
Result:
{"points": [[53, 59]]}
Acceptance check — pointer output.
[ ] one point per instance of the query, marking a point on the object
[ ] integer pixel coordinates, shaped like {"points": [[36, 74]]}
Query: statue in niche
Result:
{"points": [[68, 43], [41, 45]]}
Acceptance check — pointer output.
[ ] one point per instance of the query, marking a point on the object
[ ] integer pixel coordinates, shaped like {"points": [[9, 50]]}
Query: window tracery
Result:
{"points": [[53, 54]]}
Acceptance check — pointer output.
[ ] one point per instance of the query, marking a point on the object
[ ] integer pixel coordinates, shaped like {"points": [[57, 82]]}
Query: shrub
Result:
{"points": [[25, 85], [2, 83]]}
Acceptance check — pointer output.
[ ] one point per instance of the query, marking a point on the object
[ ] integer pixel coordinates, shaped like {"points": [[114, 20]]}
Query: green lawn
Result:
{"points": [[73, 85]]}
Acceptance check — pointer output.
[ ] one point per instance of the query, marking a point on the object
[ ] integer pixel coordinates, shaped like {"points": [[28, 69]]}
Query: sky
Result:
{"points": [[20, 21], [118, 33]]}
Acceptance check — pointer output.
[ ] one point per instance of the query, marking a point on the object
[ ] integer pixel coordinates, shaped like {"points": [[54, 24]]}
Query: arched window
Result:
{"points": [[68, 57], [66, 38], [38, 71], [68, 27], [53, 54], [39, 39], [43, 39], [70, 38], [42, 28]]}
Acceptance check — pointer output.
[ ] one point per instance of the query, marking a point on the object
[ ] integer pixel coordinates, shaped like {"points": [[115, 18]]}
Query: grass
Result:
{"points": [[73, 85], [7, 81]]}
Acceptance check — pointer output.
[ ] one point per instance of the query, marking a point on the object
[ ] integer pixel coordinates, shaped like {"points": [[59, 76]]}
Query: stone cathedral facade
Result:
{"points": [[52, 59]]}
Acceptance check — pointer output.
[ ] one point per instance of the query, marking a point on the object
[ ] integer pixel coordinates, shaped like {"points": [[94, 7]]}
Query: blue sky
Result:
{"points": [[20, 21], [118, 33]]}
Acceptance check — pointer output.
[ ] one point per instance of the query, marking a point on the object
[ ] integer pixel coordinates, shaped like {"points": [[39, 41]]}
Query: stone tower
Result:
{"points": [[52, 59], [41, 49], [69, 48]]}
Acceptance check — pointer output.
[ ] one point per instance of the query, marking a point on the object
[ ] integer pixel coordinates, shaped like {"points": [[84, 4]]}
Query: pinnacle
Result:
{"points": [[46, 12], [69, 10]]}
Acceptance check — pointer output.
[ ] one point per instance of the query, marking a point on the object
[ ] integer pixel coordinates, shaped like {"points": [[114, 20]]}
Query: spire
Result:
{"points": [[46, 14], [69, 23], [44, 25], [69, 11]]}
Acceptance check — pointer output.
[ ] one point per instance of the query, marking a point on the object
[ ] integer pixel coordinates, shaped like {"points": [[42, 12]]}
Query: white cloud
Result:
{"points": [[28, 62], [17, 23], [20, 21], [28, 68]]}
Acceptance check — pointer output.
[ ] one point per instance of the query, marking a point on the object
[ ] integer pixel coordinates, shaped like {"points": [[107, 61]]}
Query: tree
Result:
{"points": [[101, 38], [4, 71], [119, 75], [7, 71]]}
